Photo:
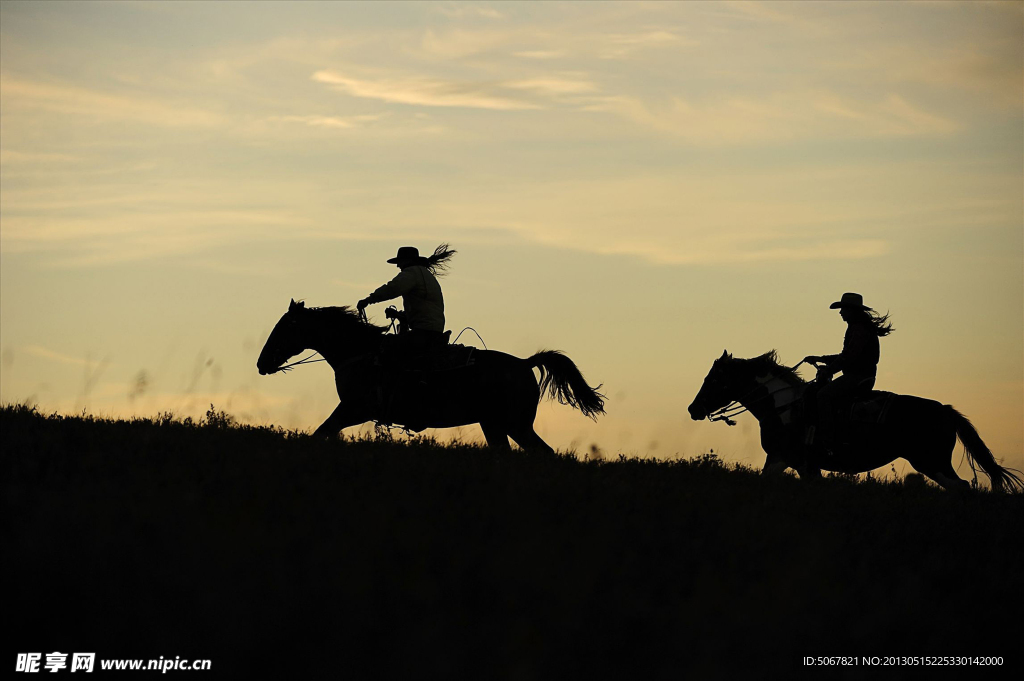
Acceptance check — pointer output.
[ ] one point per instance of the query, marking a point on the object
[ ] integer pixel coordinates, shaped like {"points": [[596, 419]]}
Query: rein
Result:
{"points": [[469, 328], [735, 408], [308, 360]]}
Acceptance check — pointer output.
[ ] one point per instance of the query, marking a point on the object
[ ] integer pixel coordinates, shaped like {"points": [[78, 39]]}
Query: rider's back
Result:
{"points": [[421, 297]]}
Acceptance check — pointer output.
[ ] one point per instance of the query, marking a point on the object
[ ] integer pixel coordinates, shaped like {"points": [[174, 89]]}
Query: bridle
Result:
{"points": [[735, 408], [308, 360]]}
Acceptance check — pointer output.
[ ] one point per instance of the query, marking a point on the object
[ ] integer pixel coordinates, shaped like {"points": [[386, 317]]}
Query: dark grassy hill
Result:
{"points": [[269, 552]]}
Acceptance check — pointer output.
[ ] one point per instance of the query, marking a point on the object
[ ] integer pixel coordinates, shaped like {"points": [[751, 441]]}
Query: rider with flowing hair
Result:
{"points": [[421, 296], [858, 361]]}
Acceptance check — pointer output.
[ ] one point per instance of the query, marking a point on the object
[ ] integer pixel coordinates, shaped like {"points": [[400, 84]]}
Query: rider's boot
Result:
{"points": [[826, 432]]}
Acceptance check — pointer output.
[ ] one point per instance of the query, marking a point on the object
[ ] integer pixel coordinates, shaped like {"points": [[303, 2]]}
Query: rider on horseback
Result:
{"points": [[858, 361], [423, 330]]}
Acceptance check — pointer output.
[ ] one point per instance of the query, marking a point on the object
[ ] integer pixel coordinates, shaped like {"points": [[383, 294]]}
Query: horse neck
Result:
{"points": [[764, 395], [339, 346]]}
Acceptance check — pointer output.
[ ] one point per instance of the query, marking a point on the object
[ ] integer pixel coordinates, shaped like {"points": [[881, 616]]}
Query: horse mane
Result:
{"points": [[342, 316], [769, 363]]}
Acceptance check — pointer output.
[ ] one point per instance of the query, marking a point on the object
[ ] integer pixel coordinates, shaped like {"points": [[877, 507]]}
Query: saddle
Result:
{"points": [[408, 378], [870, 408], [441, 357]]}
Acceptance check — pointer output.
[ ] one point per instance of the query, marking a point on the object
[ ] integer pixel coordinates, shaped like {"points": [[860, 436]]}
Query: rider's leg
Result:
{"points": [[840, 391], [824, 401]]}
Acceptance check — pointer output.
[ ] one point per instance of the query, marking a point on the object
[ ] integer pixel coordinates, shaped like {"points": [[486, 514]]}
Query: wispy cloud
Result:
{"points": [[773, 13], [540, 54], [458, 43], [553, 85], [39, 351], [135, 230], [26, 95], [337, 122], [619, 45], [779, 116], [8, 156], [465, 10], [753, 252], [423, 91]]}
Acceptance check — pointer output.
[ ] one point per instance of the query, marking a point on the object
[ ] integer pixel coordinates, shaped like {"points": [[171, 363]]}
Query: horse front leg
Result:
{"points": [[809, 472], [774, 464], [343, 416], [354, 393]]}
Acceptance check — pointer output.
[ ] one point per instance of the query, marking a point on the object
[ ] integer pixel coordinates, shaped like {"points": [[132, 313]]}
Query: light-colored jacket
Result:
{"points": [[421, 297]]}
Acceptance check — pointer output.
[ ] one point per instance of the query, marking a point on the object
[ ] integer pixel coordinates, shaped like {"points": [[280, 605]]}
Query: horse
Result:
{"points": [[495, 389], [922, 431]]}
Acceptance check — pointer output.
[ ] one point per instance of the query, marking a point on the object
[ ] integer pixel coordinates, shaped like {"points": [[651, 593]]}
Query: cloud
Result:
{"points": [[778, 116], [336, 122], [459, 43], [765, 12], [553, 85], [24, 95], [993, 71], [540, 54], [39, 351], [463, 11], [753, 252], [620, 45], [102, 232], [422, 92], [8, 156]]}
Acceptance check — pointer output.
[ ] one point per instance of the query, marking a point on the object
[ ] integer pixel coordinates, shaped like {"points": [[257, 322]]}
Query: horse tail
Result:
{"points": [[978, 453], [561, 380]]}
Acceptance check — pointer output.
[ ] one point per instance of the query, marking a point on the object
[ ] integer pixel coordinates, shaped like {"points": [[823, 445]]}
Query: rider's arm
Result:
{"points": [[832, 362], [400, 285]]}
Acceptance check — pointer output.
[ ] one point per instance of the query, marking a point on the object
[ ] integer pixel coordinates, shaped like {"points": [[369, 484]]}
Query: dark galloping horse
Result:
{"points": [[923, 432], [498, 391]]}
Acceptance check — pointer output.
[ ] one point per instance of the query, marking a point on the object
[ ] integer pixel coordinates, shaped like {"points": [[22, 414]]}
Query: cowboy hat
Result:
{"points": [[406, 254], [854, 300]]}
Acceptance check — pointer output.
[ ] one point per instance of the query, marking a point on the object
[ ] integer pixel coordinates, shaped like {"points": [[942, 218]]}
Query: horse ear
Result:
{"points": [[725, 354], [296, 306], [291, 305]]}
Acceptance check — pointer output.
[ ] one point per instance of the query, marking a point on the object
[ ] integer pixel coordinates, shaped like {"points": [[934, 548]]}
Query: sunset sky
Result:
{"points": [[639, 185]]}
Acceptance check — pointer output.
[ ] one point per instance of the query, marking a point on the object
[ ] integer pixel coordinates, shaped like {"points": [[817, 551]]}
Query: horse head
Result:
{"points": [[718, 389], [289, 338]]}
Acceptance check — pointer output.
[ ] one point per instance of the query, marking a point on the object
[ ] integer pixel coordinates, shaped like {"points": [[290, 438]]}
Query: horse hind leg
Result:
{"points": [[495, 435], [527, 438], [934, 461], [946, 477], [941, 472]]}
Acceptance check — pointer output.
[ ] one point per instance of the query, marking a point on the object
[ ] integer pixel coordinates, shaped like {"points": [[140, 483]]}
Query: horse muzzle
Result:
{"points": [[264, 371]]}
